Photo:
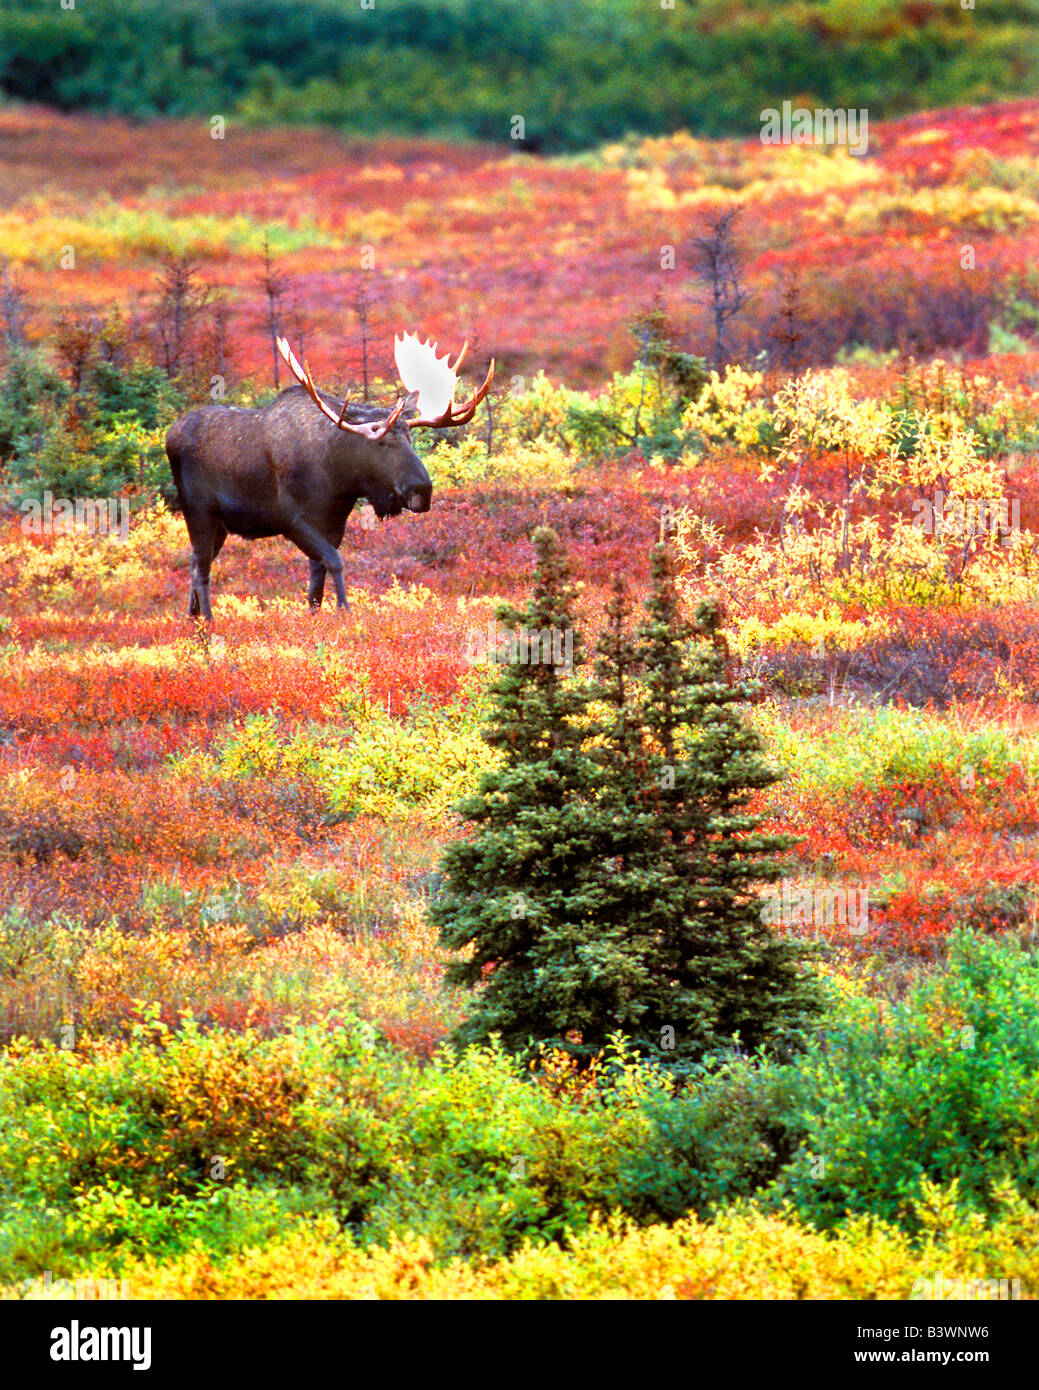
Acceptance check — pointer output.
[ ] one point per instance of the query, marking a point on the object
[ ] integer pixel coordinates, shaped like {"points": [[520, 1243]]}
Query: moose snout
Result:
{"points": [[418, 499]]}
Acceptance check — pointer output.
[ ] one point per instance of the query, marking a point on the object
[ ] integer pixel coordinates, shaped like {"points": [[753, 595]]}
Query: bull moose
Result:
{"points": [[290, 469]]}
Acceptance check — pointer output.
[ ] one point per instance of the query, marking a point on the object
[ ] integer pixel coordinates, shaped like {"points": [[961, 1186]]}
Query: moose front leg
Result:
{"points": [[316, 590], [322, 554]]}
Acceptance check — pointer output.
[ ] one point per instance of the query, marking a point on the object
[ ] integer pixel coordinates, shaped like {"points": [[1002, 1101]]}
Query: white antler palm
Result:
{"points": [[435, 380]]}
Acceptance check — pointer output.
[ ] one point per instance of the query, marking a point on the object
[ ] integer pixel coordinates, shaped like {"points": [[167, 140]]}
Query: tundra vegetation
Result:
{"points": [[242, 1053]]}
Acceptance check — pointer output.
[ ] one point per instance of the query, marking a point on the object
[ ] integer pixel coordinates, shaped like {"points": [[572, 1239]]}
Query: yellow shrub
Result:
{"points": [[952, 205], [112, 232], [819, 549], [822, 631], [539, 463], [395, 770], [743, 1255], [108, 563], [730, 410], [536, 412]]}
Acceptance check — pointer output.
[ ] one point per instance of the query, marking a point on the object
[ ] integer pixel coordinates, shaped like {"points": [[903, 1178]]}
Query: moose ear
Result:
{"points": [[410, 403]]}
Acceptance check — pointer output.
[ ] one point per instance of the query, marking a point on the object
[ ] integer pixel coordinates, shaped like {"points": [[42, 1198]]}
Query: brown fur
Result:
{"points": [[285, 470]]}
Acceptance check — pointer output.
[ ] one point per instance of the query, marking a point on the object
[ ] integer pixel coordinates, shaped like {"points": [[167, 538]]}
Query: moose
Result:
{"points": [[297, 467]]}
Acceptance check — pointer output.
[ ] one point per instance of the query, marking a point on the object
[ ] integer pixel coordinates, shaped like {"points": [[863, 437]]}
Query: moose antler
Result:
{"points": [[371, 429], [425, 375], [435, 381]]}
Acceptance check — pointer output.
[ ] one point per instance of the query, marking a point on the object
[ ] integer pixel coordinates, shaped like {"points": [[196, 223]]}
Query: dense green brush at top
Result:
{"points": [[466, 68]]}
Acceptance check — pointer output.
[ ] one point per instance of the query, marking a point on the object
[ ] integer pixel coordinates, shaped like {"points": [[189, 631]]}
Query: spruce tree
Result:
{"points": [[718, 972], [610, 884], [538, 956]]}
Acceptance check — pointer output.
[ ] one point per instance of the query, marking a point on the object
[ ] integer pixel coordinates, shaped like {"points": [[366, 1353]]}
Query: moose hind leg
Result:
{"points": [[194, 602], [316, 590], [205, 546], [198, 602]]}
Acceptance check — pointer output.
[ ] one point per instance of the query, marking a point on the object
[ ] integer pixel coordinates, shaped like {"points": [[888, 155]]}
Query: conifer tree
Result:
{"points": [[717, 970], [610, 884], [510, 889]]}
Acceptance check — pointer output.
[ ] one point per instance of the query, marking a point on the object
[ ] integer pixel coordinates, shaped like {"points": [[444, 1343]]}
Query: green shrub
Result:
{"points": [[139, 393], [111, 1224], [946, 1089], [29, 389], [461, 68], [100, 462], [726, 1135], [113, 439], [182, 1116], [107, 1150], [492, 1160], [890, 745]]}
